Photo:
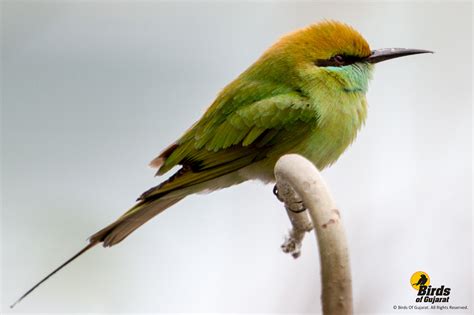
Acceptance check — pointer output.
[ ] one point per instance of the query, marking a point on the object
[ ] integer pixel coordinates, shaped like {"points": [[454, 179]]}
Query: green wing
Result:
{"points": [[221, 143]]}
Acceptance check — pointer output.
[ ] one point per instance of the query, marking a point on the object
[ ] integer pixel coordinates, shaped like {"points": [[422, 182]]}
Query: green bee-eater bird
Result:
{"points": [[304, 95]]}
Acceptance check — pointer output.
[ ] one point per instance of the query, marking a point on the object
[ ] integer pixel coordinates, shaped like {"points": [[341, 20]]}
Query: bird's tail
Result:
{"points": [[117, 231], [154, 201], [131, 220], [82, 251]]}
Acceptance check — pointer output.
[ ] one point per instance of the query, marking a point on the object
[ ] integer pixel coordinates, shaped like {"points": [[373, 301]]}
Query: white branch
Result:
{"points": [[298, 180]]}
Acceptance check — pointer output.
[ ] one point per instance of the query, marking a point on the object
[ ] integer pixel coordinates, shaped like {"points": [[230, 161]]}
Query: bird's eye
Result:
{"points": [[339, 59]]}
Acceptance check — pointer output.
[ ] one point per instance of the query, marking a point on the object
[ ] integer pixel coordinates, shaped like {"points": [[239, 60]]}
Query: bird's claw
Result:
{"points": [[297, 207], [275, 192]]}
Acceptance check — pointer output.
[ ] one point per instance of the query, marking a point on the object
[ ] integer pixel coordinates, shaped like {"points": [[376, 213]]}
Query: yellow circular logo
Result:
{"points": [[418, 279]]}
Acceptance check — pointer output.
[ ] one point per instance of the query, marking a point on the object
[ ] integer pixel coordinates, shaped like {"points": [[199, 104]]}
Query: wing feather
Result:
{"points": [[249, 134]]}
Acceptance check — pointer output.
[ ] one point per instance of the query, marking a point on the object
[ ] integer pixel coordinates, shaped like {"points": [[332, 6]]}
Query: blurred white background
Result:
{"points": [[92, 91]]}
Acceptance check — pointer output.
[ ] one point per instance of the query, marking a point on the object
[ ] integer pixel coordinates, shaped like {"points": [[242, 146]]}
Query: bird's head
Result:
{"points": [[329, 53]]}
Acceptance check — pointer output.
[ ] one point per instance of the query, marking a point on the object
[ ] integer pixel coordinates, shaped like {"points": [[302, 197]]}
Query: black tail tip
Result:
{"points": [[13, 305]]}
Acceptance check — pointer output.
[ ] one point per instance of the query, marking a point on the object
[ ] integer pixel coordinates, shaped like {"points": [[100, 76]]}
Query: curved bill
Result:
{"points": [[383, 54]]}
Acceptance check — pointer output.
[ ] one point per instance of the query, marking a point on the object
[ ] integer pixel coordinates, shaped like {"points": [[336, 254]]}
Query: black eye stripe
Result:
{"points": [[337, 61]]}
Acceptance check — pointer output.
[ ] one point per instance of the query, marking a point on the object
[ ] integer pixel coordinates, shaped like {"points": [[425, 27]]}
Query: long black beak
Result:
{"points": [[390, 53]]}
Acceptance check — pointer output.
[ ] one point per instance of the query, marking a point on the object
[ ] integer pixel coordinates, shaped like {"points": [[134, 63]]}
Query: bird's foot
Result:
{"points": [[295, 206], [275, 192]]}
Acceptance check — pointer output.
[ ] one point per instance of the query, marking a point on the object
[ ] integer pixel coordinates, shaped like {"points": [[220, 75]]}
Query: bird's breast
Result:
{"points": [[339, 121]]}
